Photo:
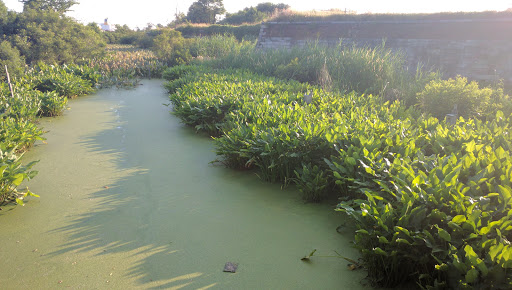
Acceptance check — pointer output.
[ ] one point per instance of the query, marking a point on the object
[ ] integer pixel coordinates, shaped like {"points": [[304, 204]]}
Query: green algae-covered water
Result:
{"points": [[129, 200]]}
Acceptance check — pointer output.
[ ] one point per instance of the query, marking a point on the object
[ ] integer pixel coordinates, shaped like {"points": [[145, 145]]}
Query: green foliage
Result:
{"points": [[241, 32], [219, 46], [60, 6], [12, 174], [52, 104], [61, 80], [179, 71], [171, 47], [431, 201], [376, 70], [254, 14], [269, 8], [205, 11], [439, 97], [247, 15], [10, 56], [121, 66], [122, 35], [46, 35], [311, 181]]}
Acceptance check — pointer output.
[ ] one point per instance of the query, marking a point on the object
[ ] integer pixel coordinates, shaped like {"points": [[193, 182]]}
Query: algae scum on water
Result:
{"points": [[129, 200]]}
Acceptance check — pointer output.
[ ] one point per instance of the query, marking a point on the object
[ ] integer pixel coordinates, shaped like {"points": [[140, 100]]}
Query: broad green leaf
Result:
{"points": [[30, 193], [351, 161], [470, 253], [19, 201], [443, 234], [403, 241], [18, 179], [500, 153], [470, 147], [383, 240], [361, 231], [379, 251], [472, 275], [459, 219]]}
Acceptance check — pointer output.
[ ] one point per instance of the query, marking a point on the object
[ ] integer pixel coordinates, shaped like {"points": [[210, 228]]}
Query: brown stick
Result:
{"points": [[9, 82]]}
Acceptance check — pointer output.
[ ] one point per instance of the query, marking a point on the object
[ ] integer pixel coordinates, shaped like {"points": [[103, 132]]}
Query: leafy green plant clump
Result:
{"points": [[431, 200], [62, 80], [439, 97]]}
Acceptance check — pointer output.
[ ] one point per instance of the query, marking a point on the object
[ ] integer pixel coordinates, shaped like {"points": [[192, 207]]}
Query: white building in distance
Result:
{"points": [[106, 27]]}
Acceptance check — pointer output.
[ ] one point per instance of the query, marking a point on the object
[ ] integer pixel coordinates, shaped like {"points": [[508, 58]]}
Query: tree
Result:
{"points": [[170, 46], [10, 57], [3, 10], [48, 36], [60, 6], [270, 8], [248, 15], [254, 14], [205, 11]]}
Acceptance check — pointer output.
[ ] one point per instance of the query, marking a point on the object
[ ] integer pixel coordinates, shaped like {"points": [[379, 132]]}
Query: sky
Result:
{"points": [[139, 13]]}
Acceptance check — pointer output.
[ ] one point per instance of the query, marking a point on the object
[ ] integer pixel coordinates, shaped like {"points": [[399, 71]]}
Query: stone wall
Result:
{"points": [[478, 49]]}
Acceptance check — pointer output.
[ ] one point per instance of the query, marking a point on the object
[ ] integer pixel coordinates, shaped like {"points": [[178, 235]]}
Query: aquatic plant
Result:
{"points": [[431, 200], [123, 63]]}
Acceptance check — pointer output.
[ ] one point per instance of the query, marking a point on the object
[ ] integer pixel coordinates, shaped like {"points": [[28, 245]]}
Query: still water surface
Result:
{"points": [[129, 200]]}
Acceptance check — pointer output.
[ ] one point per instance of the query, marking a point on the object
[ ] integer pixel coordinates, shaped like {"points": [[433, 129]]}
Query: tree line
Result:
{"points": [[43, 33], [208, 11]]}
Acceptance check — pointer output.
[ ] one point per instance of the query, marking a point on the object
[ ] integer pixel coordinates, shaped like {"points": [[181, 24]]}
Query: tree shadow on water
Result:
{"points": [[122, 224]]}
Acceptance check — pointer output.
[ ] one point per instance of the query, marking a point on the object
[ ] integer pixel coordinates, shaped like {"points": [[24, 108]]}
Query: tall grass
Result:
{"points": [[370, 70], [339, 15]]}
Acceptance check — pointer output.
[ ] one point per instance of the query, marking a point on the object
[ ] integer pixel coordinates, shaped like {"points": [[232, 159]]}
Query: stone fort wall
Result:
{"points": [[479, 49]]}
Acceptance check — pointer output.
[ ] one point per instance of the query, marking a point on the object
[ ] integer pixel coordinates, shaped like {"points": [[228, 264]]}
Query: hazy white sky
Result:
{"points": [[139, 13]]}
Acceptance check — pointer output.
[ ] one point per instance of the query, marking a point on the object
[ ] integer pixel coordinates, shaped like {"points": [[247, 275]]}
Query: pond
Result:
{"points": [[130, 200]]}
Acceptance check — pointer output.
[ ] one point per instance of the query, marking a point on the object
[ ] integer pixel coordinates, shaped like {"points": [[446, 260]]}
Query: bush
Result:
{"points": [[52, 104], [247, 32], [11, 57], [45, 78], [178, 71], [12, 174], [46, 35], [171, 47], [440, 96]]}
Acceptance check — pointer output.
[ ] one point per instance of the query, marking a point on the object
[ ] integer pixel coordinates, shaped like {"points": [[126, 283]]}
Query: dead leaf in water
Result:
{"points": [[306, 258]]}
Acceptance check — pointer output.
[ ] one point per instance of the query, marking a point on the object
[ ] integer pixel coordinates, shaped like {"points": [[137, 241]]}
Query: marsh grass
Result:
{"points": [[341, 68]]}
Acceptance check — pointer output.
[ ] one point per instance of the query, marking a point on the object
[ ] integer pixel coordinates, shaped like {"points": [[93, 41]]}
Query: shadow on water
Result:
{"points": [[119, 227], [146, 209]]}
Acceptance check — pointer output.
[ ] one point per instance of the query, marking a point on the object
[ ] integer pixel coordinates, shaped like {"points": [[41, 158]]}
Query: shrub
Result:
{"points": [[178, 71], [52, 104], [47, 78], [11, 57], [440, 96], [12, 174], [172, 47]]}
